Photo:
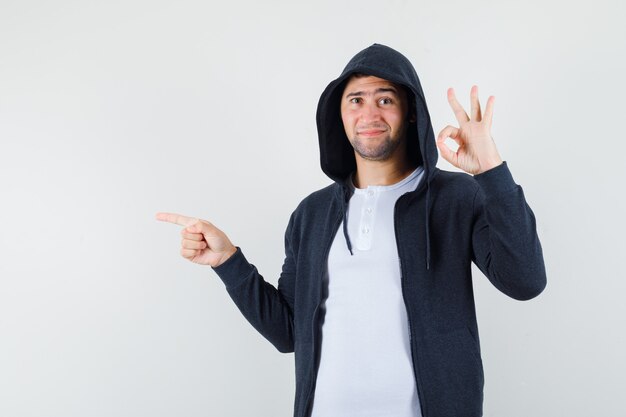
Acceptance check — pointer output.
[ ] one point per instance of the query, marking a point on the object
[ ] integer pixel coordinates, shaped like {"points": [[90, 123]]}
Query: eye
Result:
{"points": [[352, 100], [385, 100]]}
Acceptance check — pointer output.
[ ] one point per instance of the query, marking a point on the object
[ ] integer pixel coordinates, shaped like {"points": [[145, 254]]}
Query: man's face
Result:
{"points": [[374, 113]]}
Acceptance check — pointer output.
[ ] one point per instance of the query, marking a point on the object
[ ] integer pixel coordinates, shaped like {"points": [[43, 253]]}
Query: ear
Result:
{"points": [[412, 114]]}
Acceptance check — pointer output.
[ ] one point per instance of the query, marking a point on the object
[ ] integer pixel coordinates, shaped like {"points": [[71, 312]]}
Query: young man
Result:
{"points": [[381, 316]]}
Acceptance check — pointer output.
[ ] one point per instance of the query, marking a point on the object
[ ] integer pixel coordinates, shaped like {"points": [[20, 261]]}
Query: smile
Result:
{"points": [[371, 132]]}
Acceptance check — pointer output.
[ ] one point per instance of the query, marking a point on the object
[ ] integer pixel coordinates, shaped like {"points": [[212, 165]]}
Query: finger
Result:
{"points": [[193, 244], [450, 132], [205, 228], [459, 112], [191, 236], [189, 253], [489, 111], [178, 219], [447, 153], [476, 114]]}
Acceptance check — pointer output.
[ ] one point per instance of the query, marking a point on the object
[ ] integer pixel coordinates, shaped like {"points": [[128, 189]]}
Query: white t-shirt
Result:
{"points": [[365, 364]]}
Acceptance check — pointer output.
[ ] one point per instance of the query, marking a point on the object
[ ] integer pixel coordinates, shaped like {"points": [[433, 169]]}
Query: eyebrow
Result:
{"points": [[379, 90]]}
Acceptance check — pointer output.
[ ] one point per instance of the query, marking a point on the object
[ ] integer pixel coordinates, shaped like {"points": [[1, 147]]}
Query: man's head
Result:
{"points": [[376, 114], [338, 126]]}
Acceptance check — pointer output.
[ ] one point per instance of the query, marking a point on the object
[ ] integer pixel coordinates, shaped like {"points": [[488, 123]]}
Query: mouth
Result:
{"points": [[371, 132]]}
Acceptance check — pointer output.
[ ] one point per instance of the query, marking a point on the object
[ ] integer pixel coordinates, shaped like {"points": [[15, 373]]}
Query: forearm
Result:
{"points": [[506, 245], [259, 301]]}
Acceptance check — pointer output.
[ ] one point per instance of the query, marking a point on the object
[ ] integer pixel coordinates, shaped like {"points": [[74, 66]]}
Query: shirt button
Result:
{"points": [[369, 209], [365, 230], [370, 192]]}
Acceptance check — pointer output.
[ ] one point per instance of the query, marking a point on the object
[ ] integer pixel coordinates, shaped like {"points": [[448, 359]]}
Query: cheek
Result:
{"points": [[348, 121], [394, 120]]}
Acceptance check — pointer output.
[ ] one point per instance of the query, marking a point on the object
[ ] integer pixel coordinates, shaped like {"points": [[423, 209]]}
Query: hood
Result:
{"points": [[336, 153]]}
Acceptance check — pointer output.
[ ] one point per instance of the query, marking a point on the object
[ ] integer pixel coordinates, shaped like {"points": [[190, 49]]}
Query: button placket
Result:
{"points": [[367, 219]]}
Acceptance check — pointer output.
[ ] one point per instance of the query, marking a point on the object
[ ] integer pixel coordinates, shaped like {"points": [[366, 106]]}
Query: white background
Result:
{"points": [[113, 111]]}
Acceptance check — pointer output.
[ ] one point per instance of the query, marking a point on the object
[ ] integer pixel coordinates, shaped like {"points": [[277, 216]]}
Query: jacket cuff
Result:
{"points": [[496, 180], [235, 269]]}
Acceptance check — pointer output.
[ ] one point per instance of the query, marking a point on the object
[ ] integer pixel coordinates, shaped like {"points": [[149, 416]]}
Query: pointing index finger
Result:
{"points": [[178, 219]]}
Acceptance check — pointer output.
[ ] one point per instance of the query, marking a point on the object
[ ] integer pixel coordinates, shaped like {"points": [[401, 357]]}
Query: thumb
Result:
{"points": [[447, 153], [195, 226]]}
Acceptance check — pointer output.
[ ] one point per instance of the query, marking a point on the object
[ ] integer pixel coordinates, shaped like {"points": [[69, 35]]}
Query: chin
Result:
{"points": [[378, 153]]}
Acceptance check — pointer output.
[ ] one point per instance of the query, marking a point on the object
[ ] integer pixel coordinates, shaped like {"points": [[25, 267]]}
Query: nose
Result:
{"points": [[370, 113]]}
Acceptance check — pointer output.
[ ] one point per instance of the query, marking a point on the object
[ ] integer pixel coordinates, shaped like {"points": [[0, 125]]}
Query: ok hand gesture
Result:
{"points": [[477, 151]]}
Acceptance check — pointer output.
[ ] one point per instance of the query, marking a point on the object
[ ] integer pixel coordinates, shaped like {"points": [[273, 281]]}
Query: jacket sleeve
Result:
{"points": [[505, 244], [268, 309]]}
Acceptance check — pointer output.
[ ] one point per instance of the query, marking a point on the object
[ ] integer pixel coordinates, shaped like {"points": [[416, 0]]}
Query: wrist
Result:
{"points": [[489, 164], [227, 254]]}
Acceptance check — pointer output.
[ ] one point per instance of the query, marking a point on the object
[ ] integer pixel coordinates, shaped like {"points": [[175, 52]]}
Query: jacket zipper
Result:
{"points": [[308, 410], [408, 315]]}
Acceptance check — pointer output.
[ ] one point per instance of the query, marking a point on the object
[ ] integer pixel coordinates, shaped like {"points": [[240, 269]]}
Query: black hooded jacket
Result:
{"points": [[449, 221]]}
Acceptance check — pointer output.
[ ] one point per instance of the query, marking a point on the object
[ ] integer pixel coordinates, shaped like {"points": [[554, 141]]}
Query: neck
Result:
{"points": [[386, 172]]}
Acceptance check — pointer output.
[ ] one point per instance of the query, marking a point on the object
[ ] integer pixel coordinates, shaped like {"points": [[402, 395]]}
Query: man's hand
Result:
{"points": [[477, 151], [202, 242]]}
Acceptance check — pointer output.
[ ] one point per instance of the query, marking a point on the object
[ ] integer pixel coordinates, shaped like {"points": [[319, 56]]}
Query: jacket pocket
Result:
{"points": [[452, 373], [475, 349]]}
